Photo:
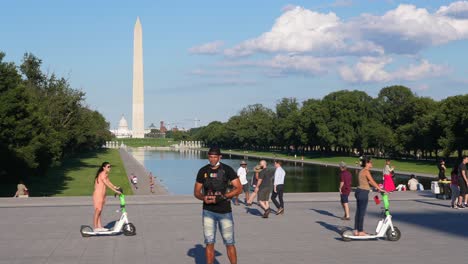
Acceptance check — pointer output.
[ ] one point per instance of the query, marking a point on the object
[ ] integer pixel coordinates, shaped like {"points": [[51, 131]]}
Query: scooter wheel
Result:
{"points": [[346, 235], [129, 229], [84, 229], [395, 235]]}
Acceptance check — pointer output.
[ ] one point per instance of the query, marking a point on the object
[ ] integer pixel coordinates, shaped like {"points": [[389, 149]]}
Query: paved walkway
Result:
{"points": [[133, 166], [34, 230]]}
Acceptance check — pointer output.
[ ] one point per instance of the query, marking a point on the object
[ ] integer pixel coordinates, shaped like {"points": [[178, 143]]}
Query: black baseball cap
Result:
{"points": [[214, 151]]}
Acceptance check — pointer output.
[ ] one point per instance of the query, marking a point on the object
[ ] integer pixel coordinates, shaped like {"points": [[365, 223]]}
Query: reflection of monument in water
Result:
{"points": [[139, 155]]}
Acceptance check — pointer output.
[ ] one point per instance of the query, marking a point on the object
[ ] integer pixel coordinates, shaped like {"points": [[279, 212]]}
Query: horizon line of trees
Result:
{"points": [[397, 123], [42, 120]]}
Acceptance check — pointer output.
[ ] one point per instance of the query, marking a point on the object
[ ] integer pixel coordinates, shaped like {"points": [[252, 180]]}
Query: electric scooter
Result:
{"points": [[121, 226], [385, 227]]}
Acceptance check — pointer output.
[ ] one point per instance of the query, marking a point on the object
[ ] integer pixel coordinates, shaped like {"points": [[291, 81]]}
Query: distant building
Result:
{"points": [[122, 131], [162, 127]]}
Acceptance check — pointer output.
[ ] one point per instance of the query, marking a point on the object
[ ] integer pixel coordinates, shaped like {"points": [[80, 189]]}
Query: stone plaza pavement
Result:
{"points": [[46, 230]]}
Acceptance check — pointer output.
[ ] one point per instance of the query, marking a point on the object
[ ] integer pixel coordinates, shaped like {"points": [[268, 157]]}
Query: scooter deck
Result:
{"points": [[110, 232], [368, 237]]}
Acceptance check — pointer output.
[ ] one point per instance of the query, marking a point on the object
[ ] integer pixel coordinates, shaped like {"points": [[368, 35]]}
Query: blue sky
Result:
{"points": [[209, 59]]}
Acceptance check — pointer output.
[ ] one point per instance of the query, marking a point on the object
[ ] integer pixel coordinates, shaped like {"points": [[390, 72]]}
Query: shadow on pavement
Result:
{"points": [[110, 225], [253, 211], [437, 204], [323, 212], [448, 222], [198, 254], [335, 228], [428, 194]]}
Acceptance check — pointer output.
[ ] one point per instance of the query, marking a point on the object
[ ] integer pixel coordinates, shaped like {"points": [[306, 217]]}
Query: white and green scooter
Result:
{"points": [[385, 227], [121, 226]]}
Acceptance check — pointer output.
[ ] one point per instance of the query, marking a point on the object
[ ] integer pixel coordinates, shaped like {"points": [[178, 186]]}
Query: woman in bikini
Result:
{"points": [[99, 196]]}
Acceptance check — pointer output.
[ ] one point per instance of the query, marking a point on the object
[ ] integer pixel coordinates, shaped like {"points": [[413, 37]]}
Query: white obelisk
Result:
{"points": [[138, 119]]}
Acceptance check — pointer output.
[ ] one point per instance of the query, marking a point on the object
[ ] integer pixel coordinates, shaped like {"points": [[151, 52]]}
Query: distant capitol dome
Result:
{"points": [[122, 131], [123, 123]]}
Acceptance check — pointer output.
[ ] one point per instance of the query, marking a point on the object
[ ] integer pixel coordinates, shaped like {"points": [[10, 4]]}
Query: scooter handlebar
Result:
{"points": [[120, 190]]}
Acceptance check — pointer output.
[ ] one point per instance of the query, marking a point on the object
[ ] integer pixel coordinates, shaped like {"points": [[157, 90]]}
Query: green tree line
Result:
{"points": [[397, 123], [42, 120]]}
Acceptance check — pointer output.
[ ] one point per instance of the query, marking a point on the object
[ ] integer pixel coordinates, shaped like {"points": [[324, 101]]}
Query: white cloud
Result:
{"points": [[288, 64], [300, 64], [207, 48], [456, 10], [407, 29], [296, 30], [404, 30], [318, 43], [417, 72], [370, 69]]}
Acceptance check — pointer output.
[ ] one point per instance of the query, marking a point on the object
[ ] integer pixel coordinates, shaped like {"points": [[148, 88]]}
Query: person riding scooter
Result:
{"points": [[362, 195]]}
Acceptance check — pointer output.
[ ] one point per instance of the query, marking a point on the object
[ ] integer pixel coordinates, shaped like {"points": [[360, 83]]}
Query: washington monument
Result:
{"points": [[138, 120]]}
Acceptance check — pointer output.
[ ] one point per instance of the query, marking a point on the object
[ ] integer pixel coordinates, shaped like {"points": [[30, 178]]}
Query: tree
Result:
{"points": [[453, 115], [42, 120], [348, 112], [396, 105], [289, 131]]}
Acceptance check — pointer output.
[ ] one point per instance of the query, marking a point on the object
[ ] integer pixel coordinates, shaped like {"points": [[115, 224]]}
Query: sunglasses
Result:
{"points": [[108, 166]]}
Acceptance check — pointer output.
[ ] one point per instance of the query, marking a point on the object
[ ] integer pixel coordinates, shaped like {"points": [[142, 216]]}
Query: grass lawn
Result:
{"points": [[75, 177], [417, 166], [142, 142]]}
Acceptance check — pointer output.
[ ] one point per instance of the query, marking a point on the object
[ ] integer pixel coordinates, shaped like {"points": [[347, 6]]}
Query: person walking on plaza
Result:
{"points": [[257, 169], [463, 181], [263, 188], [99, 195], [454, 186], [345, 189], [388, 183], [242, 174], [362, 195], [278, 187], [151, 181], [211, 187], [134, 180]]}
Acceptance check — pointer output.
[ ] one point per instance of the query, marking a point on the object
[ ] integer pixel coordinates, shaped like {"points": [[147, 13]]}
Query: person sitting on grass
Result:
{"points": [[21, 191], [413, 183]]}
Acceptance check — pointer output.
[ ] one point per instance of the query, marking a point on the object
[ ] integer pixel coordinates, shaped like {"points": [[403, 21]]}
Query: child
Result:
{"points": [[134, 181]]}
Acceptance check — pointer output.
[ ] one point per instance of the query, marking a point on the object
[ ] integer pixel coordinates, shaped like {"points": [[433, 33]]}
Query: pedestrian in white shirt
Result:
{"points": [[242, 174], [278, 187]]}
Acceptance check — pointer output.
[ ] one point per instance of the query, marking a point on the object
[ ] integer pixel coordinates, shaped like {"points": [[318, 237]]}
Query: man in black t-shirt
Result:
{"points": [[211, 187], [463, 181]]}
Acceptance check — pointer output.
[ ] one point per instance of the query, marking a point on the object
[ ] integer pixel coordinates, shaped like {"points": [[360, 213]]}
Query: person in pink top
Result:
{"points": [[388, 183], [99, 196]]}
